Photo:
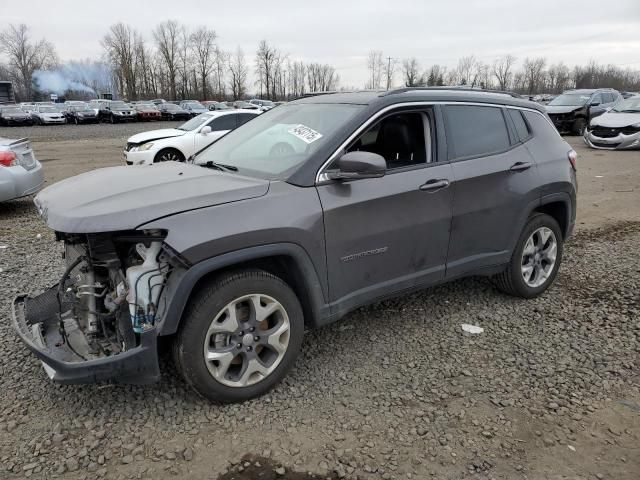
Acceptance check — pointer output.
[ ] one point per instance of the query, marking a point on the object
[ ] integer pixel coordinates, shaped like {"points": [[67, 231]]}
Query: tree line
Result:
{"points": [[177, 62], [534, 75]]}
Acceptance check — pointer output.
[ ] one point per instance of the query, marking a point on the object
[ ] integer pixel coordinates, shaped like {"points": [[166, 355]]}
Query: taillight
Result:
{"points": [[573, 158], [8, 159]]}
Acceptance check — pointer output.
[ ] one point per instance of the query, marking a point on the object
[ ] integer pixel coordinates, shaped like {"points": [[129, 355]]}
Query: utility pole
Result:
{"points": [[389, 73]]}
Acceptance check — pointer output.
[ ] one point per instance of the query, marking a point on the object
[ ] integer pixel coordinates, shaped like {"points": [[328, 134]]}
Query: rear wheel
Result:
{"points": [[536, 259], [168, 155], [240, 336], [112, 119], [76, 121]]}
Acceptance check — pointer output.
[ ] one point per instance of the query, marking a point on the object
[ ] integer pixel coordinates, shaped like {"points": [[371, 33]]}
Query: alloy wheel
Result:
{"points": [[539, 257], [247, 340]]}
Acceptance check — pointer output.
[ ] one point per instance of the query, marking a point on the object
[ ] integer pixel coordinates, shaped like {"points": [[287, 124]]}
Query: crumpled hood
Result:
{"points": [[556, 109], [123, 198], [616, 120], [155, 135]]}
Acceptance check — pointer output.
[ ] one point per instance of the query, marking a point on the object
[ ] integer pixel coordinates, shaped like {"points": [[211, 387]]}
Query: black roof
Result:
{"points": [[380, 98]]}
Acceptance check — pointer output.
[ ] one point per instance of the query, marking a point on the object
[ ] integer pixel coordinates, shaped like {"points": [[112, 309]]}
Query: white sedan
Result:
{"points": [[178, 144]]}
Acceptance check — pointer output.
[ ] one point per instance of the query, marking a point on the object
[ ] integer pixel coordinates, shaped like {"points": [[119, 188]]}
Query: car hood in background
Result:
{"points": [[155, 135], [123, 198], [556, 109], [616, 119]]}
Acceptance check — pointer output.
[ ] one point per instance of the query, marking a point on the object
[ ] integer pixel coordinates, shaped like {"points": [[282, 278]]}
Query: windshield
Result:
{"points": [[81, 108], [195, 122], [274, 144], [629, 105], [117, 105], [266, 103], [47, 110], [171, 106], [11, 110], [145, 106], [570, 100], [222, 106]]}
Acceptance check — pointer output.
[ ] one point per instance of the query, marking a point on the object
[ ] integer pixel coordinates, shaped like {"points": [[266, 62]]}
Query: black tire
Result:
{"points": [[76, 121], [579, 126], [112, 119], [168, 152], [511, 281], [202, 309]]}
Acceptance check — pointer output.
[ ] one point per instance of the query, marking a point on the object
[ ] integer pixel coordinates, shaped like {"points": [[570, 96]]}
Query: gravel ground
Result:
{"points": [[89, 131], [550, 390]]}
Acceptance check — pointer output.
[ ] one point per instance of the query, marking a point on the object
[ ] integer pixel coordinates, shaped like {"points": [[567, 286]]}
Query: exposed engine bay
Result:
{"points": [[109, 292]]}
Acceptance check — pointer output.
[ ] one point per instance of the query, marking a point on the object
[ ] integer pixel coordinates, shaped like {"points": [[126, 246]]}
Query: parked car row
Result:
{"points": [[605, 118]]}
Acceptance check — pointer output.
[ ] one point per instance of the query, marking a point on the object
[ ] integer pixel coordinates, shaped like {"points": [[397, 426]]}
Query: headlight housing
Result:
{"points": [[145, 147]]}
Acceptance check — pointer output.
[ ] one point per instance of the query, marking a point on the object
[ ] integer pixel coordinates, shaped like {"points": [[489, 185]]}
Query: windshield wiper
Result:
{"points": [[220, 166]]}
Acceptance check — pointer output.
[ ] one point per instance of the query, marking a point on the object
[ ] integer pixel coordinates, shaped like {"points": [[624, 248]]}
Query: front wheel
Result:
{"points": [[239, 336], [536, 259], [168, 155], [579, 126]]}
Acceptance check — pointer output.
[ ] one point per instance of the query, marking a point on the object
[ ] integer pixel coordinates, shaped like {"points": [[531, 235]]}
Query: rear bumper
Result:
{"points": [[36, 322], [16, 182]]}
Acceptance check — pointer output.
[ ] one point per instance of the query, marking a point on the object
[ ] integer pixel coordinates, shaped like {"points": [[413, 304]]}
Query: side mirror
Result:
{"points": [[356, 165], [594, 104], [205, 130]]}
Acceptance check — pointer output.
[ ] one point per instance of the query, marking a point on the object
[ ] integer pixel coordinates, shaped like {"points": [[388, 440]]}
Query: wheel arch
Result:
{"points": [[287, 261]]}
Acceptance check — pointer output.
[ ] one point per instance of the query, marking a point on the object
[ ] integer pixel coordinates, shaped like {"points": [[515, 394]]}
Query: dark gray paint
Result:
{"points": [[364, 239]]}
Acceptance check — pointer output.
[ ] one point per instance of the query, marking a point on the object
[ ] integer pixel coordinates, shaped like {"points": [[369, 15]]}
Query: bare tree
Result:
{"points": [[297, 78], [321, 77], [389, 71], [221, 60], [120, 45], [411, 73], [238, 71], [375, 66], [267, 63], [467, 70], [25, 57], [533, 69], [167, 37], [435, 76], [502, 69], [203, 41]]}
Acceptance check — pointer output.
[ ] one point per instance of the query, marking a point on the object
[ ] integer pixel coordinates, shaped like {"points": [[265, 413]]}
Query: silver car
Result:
{"points": [[20, 173], [618, 129]]}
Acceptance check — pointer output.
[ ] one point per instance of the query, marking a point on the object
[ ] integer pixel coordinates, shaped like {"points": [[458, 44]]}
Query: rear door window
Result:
{"points": [[474, 131], [242, 118]]}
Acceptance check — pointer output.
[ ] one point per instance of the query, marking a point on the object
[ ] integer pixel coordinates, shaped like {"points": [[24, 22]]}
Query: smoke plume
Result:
{"points": [[76, 76]]}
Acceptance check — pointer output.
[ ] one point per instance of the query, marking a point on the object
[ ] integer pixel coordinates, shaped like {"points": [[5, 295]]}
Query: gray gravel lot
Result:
{"points": [[551, 389], [89, 131]]}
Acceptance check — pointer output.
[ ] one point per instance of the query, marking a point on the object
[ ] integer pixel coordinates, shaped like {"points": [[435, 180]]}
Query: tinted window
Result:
{"points": [[243, 118], [597, 98], [473, 131], [226, 122], [521, 127]]}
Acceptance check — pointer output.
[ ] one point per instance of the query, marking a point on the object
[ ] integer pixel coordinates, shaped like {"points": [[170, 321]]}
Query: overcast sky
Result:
{"points": [[342, 32]]}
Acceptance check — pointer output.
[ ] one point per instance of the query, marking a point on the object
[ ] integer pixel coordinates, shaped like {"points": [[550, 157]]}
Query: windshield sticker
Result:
{"points": [[304, 133]]}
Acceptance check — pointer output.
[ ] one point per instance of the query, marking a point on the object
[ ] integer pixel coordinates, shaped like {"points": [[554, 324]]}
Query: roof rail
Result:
{"points": [[463, 89]]}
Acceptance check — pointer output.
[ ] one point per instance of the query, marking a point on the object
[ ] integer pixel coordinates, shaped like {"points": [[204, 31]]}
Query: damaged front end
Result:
{"points": [[99, 323]]}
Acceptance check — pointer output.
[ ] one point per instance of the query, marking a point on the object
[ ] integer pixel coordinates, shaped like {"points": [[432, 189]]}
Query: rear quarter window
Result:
{"points": [[474, 131], [522, 130]]}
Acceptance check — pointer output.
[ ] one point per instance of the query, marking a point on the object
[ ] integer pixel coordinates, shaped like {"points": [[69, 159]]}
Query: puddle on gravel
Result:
{"points": [[259, 468]]}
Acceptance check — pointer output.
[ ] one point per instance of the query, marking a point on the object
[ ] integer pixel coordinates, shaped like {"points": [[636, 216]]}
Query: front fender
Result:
{"points": [[180, 293]]}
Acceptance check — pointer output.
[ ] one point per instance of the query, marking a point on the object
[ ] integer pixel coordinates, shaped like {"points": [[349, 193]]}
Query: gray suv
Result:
{"points": [[305, 213]]}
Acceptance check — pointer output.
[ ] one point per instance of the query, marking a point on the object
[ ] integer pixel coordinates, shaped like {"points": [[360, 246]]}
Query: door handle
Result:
{"points": [[520, 166], [434, 184]]}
